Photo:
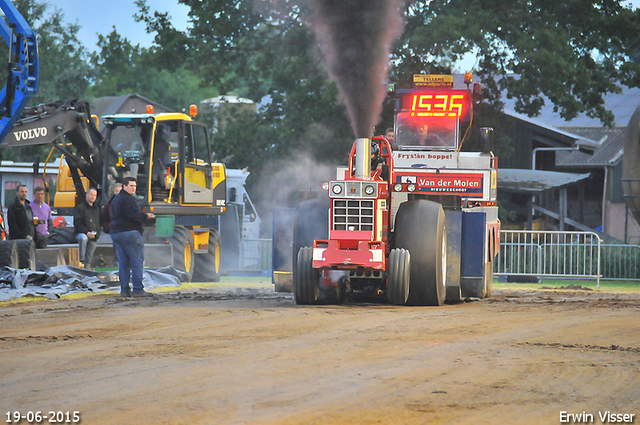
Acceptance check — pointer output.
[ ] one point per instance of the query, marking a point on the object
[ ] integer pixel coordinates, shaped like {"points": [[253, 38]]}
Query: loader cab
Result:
{"points": [[170, 156], [197, 179]]}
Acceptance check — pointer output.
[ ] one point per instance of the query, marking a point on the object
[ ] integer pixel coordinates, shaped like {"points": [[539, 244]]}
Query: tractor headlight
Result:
{"points": [[369, 190], [397, 187], [336, 189], [325, 186], [411, 187]]}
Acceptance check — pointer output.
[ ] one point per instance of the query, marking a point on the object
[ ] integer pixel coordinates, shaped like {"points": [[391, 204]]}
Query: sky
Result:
{"points": [[99, 16]]}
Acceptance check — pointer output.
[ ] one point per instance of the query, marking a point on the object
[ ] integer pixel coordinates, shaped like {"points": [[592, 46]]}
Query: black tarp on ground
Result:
{"points": [[63, 280]]}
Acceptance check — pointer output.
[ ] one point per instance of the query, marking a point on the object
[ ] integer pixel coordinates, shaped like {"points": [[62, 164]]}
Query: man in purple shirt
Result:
{"points": [[42, 212]]}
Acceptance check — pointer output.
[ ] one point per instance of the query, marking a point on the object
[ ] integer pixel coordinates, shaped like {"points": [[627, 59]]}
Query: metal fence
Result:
{"points": [[549, 254], [255, 254], [522, 253], [620, 262]]}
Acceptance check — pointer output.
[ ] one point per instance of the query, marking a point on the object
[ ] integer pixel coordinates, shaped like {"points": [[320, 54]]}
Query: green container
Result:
{"points": [[165, 225]]}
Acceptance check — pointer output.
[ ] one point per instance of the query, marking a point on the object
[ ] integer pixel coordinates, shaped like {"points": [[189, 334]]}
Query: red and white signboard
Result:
{"points": [[469, 185], [421, 159]]}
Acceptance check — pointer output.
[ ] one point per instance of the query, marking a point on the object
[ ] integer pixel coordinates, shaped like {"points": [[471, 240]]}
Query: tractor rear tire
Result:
{"points": [[307, 283], [488, 290], [398, 276], [8, 254], [207, 266], [420, 229], [183, 256], [26, 254]]}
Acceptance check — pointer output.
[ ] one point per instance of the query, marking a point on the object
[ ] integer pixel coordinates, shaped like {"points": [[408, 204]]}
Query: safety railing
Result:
{"points": [[549, 254], [255, 254], [620, 262]]}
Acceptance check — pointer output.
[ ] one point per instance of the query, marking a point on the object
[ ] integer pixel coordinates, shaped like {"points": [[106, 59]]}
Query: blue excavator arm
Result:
{"points": [[22, 68]]}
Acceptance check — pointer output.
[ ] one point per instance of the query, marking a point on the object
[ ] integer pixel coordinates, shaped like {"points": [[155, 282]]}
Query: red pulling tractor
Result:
{"points": [[416, 218]]}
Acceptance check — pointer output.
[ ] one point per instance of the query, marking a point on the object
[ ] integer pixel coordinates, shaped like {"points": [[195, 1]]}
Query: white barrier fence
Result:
{"points": [[522, 253], [255, 254], [620, 262], [549, 254]]}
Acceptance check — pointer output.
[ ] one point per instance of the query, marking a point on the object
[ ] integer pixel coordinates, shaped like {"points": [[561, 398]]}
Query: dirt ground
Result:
{"points": [[246, 355]]}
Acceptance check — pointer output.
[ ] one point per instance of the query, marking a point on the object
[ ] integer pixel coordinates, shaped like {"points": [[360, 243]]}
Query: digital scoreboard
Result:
{"points": [[436, 103]]}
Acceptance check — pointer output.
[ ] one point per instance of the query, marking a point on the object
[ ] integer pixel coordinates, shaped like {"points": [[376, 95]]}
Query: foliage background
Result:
{"points": [[569, 53]]}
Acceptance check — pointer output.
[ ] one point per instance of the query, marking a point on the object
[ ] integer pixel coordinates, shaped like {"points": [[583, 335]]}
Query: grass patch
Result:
{"points": [[231, 281], [609, 286]]}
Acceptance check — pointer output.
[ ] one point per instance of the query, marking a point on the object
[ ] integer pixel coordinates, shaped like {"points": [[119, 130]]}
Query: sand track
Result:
{"points": [[247, 355]]}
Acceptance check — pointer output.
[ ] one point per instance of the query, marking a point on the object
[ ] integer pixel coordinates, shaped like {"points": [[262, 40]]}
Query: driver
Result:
{"points": [[429, 138], [378, 162], [162, 152]]}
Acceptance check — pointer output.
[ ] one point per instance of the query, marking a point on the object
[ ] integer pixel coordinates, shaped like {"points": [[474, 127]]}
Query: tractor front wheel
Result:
{"points": [[307, 279], [311, 223], [398, 276]]}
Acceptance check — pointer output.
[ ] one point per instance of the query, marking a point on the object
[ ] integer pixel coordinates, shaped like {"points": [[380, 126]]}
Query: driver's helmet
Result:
{"points": [[375, 155], [375, 149]]}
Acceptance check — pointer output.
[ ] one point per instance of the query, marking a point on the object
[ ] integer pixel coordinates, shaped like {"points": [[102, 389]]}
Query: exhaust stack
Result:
{"points": [[363, 158]]}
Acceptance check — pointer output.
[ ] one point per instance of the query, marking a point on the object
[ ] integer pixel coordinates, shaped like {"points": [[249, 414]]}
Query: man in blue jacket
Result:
{"points": [[127, 227]]}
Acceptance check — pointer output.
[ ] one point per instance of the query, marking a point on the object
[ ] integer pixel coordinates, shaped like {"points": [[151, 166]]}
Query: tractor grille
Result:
{"points": [[353, 214]]}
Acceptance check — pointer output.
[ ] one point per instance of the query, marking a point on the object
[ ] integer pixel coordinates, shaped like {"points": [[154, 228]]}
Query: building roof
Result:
{"points": [[228, 98], [554, 134], [607, 142], [609, 153], [623, 105], [108, 105], [535, 181]]}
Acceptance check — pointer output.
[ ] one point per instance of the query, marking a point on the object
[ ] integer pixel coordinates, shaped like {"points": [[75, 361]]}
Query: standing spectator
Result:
{"points": [[42, 212], [20, 216], [105, 219], [127, 227], [86, 220]]}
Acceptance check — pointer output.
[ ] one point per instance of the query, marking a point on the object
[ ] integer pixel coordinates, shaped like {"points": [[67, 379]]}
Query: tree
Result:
{"points": [[121, 68], [64, 69], [175, 44], [116, 66], [571, 51], [270, 57]]}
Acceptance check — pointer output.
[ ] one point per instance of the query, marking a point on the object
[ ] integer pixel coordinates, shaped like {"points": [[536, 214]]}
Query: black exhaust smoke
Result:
{"points": [[355, 37]]}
